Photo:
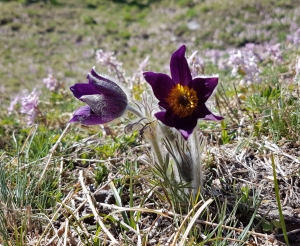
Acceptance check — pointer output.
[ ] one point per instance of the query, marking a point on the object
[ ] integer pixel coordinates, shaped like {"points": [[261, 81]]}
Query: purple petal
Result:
{"points": [[98, 76], [179, 67], [83, 89], [105, 85], [85, 116], [161, 84], [185, 125], [166, 117], [204, 113], [213, 117], [164, 105], [186, 134], [204, 87], [109, 89], [105, 106]]}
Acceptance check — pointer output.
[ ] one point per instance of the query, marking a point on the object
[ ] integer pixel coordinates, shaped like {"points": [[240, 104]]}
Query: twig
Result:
{"points": [[139, 240], [32, 130], [183, 222], [234, 229], [193, 220], [161, 212], [60, 172], [76, 215], [279, 151], [52, 151], [94, 160], [97, 217], [53, 217], [165, 213], [282, 222], [51, 240], [227, 238], [66, 232], [288, 233], [29, 220]]}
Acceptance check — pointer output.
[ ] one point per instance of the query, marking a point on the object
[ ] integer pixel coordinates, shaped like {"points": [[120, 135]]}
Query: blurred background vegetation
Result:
{"points": [[38, 37], [61, 37]]}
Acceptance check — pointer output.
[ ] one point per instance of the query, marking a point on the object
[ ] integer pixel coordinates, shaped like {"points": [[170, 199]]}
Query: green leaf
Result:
{"points": [[267, 226]]}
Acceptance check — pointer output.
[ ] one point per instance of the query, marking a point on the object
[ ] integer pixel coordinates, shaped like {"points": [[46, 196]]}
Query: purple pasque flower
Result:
{"points": [[181, 96], [105, 100]]}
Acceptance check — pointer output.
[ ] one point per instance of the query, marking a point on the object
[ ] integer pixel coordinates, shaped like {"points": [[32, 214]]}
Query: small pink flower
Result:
{"points": [[196, 64], [244, 63], [138, 75], [274, 52], [51, 82], [294, 38], [214, 55], [29, 106], [298, 66], [108, 59], [12, 104]]}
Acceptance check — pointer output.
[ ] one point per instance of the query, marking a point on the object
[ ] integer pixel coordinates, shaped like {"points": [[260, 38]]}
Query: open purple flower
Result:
{"points": [[182, 97], [105, 100]]}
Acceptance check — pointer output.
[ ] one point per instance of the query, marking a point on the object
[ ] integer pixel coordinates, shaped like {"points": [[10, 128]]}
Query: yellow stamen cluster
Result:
{"points": [[182, 100]]}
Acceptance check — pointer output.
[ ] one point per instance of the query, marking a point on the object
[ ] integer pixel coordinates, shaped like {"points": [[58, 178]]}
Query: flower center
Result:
{"points": [[182, 100]]}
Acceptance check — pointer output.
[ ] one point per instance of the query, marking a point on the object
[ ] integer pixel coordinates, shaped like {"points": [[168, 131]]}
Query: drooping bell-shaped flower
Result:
{"points": [[181, 96], [105, 100]]}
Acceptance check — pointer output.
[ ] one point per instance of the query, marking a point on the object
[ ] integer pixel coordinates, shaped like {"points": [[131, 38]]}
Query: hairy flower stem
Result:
{"points": [[135, 111], [187, 156], [157, 150], [150, 136], [197, 175]]}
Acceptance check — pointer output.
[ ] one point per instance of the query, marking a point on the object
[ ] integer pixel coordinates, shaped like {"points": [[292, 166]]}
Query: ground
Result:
{"points": [[76, 185]]}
